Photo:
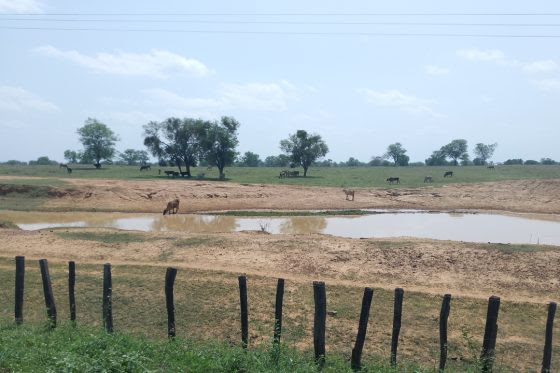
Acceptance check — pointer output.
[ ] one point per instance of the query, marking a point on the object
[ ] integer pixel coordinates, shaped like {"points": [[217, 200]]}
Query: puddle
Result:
{"points": [[443, 226]]}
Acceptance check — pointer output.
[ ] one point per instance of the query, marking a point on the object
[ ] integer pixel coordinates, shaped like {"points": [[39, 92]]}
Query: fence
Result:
{"points": [[319, 322]]}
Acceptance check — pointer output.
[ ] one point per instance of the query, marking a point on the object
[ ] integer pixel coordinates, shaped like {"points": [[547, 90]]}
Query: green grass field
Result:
{"points": [[317, 176]]}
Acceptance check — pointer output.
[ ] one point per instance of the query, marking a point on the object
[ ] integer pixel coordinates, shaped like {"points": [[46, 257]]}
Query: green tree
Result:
{"points": [[43, 161], [398, 154], [438, 158], [71, 156], [353, 162], [281, 160], [177, 141], [304, 149], [134, 157], [98, 140], [483, 152], [219, 143], [456, 149], [250, 159]]}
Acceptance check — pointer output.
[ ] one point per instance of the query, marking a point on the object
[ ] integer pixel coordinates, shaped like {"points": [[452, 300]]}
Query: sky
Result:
{"points": [[334, 68]]}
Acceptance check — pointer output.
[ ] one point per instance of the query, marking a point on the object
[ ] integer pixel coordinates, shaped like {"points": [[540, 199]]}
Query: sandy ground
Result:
{"points": [[428, 266], [537, 196]]}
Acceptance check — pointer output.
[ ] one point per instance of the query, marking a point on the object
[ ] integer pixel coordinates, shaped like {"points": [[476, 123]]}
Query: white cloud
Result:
{"points": [[436, 70], [156, 64], [395, 98], [475, 54], [541, 66], [18, 99], [548, 84], [20, 6], [249, 96]]}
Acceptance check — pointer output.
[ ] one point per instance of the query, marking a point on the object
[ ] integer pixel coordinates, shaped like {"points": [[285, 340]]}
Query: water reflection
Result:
{"points": [[445, 226]]}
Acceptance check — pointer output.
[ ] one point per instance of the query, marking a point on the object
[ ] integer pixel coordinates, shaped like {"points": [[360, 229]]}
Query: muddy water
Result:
{"points": [[445, 226]]}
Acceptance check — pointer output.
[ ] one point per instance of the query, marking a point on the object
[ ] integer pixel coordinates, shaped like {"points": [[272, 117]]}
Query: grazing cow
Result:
{"points": [[62, 165], [145, 167], [172, 207], [349, 192], [68, 169], [391, 180], [448, 174], [491, 167], [428, 179]]}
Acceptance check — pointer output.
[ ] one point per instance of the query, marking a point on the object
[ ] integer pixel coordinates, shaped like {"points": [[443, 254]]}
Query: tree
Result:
{"points": [[250, 159], [304, 149], [71, 156], [281, 160], [483, 152], [437, 158], [353, 162], [134, 157], [219, 142], [513, 161], [397, 153], [456, 149], [98, 140], [548, 161], [177, 141], [379, 161], [43, 161]]}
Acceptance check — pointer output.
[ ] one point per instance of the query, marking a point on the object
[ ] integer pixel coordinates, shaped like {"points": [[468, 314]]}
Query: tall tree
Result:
{"points": [[456, 149], [250, 159], [437, 158], [219, 141], [483, 152], [304, 149], [98, 140], [176, 140], [134, 157], [398, 154]]}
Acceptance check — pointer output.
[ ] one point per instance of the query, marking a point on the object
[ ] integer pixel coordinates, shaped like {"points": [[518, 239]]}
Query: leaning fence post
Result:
{"points": [[443, 316], [278, 311], [490, 333], [20, 279], [547, 355], [319, 321], [362, 328], [244, 311], [170, 275], [47, 291], [107, 298], [397, 316], [71, 293]]}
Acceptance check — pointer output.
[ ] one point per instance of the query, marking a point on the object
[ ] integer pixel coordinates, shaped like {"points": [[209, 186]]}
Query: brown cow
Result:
{"points": [[172, 207]]}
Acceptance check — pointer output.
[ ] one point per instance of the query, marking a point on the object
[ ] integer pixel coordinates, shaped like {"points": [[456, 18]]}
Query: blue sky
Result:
{"points": [[360, 92]]}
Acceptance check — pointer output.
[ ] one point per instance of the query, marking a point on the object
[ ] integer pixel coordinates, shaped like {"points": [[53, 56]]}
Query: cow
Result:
{"points": [[428, 179], [448, 174], [172, 207], [349, 192], [145, 167], [391, 180]]}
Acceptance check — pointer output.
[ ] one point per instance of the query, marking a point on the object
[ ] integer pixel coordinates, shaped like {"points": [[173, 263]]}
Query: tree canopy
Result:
{"points": [[98, 140], [483, 152], [304, 149], [134, 157], [250, 159], [398, 153], [456, 149], [219, 143]]}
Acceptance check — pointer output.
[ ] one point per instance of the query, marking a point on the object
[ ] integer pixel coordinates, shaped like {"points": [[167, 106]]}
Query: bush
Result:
{"points": [[548, 161], [531, 162], [514, 161]]}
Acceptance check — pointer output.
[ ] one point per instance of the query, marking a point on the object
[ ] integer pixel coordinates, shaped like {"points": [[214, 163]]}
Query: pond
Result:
{"points": [[471, 227]]}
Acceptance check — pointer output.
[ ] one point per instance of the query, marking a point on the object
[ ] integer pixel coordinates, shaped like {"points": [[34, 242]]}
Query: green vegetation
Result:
{"points": [[82, 349], [28, 194], [364, 177], [6, 224], [104, 237], [207, 312]]}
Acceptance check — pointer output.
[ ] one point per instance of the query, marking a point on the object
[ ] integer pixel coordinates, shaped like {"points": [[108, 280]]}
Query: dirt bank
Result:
{"points": [[517, 273], [533, 196]]}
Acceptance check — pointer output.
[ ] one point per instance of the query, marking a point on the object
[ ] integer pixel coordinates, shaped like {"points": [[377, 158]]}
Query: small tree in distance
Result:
{"points": [[98, 140], [304, 149], [250, 159], [483, 152], [456, 149], [71, 156], [397, 153]]}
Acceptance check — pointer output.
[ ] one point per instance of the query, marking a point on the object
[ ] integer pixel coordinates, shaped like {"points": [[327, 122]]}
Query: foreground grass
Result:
{"points": [[318, 176], [207, 310], [80, 349], [104, 237]]}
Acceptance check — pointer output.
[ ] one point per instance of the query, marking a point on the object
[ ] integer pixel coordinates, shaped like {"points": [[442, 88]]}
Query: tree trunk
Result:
{"points": [[305, 171], [221, 170], [188, 170]]}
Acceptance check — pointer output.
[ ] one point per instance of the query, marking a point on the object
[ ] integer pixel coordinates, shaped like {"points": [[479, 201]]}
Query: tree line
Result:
{"points": [[188, 142]]}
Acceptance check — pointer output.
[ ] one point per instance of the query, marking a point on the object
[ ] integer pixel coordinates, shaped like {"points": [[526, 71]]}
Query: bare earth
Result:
{"points": [[531, 196]]}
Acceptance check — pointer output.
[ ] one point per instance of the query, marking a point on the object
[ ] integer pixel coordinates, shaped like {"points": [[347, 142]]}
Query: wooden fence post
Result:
{"points": [[107, 298], [443, 316], [71, 293], [319, 322], [170, 275], [47, 291], [547, 355], [278, 311], [362, 328], [244, 311], [20, 279], [397, 316], [490, 333]]}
